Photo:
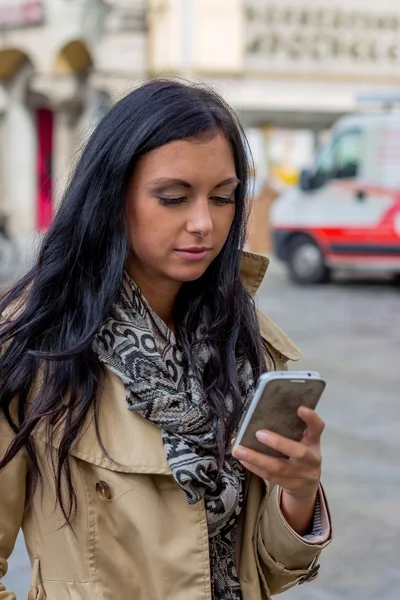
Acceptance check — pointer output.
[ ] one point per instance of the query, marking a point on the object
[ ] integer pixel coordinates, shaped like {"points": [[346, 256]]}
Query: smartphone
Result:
{"points": [[274, 407]]}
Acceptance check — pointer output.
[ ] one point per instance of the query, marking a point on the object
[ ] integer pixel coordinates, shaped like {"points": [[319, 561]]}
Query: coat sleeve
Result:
{"points": [[285, 558], [12, 502]]}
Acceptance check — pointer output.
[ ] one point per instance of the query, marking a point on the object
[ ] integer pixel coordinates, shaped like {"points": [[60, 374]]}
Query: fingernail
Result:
{"points": [[240, 453], [262, 436]]}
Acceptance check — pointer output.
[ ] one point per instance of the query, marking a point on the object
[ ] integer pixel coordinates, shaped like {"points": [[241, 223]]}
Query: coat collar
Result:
{"points": [[252, 271]]}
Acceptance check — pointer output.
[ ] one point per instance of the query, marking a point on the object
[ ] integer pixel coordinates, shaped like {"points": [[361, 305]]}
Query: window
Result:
{"points": [[341, 160]]}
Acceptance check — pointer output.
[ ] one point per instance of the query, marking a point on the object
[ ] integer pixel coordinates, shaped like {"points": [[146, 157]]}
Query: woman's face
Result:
{"points": [[180, 207]]}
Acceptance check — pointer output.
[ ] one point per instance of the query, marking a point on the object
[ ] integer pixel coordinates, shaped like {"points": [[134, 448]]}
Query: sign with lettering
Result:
{"points": [[21, 14], [308, 38]]}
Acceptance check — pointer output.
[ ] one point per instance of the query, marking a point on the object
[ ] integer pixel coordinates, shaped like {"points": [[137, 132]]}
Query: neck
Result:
{"points": [[159, 293]]}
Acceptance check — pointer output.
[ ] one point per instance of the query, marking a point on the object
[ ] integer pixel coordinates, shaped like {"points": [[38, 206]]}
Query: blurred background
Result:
{"points": [[316, 85]]}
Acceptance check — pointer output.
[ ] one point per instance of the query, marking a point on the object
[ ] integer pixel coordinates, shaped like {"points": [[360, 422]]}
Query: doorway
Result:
{"points": [[44, 120]]}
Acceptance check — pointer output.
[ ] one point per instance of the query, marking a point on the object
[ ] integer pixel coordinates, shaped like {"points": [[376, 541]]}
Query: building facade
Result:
{"points": [[280, 63], [293, 64], [56, 57], [302, 59]]}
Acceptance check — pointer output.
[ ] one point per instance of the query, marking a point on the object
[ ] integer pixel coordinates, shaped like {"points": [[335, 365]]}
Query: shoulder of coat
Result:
{"points": [[279, 343]]}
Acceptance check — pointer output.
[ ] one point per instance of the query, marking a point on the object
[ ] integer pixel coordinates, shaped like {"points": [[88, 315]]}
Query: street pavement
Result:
{"points": [[350, 332]]}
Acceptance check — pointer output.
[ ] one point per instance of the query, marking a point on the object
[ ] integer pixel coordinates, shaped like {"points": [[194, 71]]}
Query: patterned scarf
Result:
{"points": [[136, 345]]}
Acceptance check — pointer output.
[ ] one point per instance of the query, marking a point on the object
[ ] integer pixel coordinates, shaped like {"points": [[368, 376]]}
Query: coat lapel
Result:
{"points": [[133, 444]]}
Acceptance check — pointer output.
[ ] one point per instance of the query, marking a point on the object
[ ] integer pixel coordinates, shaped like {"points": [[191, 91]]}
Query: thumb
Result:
{"points": [[315, 425]]}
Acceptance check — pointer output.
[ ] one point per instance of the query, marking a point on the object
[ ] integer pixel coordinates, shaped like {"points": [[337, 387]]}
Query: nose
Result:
{"points": [[199, 218]]}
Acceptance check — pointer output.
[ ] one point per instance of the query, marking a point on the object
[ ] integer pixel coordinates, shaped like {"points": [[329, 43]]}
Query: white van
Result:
{"points": [[346, 212]]}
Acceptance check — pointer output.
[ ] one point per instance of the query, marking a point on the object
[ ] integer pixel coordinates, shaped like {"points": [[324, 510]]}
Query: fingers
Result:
{"points": [[278, 466], [285, 482], [281, 471], [299, 474], [290, 448], [315, 425]]}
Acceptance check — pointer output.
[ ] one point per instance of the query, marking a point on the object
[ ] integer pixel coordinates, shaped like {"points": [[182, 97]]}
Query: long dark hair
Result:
{"points": [[55, 311]]}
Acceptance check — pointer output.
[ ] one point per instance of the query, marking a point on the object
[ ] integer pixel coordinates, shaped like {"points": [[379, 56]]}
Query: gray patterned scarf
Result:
{"points": [[136, 345]]}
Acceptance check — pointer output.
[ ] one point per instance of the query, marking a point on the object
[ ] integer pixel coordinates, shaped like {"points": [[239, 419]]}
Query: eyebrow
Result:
{"points": [[169, 181]]}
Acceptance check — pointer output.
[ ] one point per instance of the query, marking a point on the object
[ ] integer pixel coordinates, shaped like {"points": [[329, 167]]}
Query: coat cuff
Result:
{"points": [[321, 525], [280, 541]]}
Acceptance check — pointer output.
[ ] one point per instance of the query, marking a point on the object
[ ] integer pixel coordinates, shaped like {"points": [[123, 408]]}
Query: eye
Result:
{"points": [[164, 201], [221, 201]]}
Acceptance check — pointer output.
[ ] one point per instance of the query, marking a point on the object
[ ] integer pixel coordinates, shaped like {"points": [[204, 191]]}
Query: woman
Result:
{"points": [[130, 351]]}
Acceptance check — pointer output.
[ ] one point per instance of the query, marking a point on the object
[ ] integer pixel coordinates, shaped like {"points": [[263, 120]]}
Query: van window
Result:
{"points": [[341, 160], [388, 156]]}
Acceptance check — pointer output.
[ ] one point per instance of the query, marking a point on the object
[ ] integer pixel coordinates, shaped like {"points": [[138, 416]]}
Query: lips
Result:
{"points": [[194, 249], [194, 253]]}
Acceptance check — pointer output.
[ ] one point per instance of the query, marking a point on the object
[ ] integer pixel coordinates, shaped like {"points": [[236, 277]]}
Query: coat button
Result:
{"points": [[103, 491], [312, 574]]}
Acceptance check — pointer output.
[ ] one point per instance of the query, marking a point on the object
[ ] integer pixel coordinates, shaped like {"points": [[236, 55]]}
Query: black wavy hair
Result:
{"points": [[57, 308]]}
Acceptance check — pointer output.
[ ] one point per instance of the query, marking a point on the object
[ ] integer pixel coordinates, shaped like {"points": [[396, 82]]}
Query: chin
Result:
{"points": [[187, 275]]}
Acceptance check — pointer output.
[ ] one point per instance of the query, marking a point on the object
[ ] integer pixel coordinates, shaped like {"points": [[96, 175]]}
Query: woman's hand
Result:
{"points": [[299, 476]]}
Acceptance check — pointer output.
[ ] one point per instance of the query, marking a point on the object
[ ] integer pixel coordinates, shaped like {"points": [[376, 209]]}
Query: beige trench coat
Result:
{"points": [[135, 537]]}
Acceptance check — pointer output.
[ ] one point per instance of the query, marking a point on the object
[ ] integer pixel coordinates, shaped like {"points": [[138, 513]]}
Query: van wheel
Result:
{"points": [[306, 262]]}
